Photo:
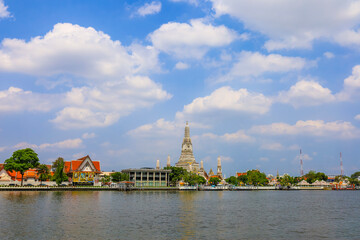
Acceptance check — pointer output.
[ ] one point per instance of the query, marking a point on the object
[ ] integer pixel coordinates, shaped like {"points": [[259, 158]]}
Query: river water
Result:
{"points": [[180, 215]]}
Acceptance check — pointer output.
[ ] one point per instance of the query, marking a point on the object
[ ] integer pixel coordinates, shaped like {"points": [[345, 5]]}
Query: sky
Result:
{"points": [[117, 80]]}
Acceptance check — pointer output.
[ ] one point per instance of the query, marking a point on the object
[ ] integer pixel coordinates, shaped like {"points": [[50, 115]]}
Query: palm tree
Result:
{"points": [[43, 172]]}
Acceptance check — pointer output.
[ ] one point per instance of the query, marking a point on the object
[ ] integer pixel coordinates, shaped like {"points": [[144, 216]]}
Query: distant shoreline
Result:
{"points": [[146, 189]]}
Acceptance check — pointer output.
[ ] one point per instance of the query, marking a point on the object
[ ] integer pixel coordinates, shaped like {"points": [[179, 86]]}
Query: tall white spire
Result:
{"points": [[219, 170], [187, 159], [158, 164], [202, 165], [168, 161]]}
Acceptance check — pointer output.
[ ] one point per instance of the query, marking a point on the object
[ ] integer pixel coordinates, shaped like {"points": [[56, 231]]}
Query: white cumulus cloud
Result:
{"points": [[296, 24], [149, 8], [76, 50], [66, 144], [318, 128], [306, 93], [254, 64], [351, 85], [114, 77], [4, 13], [357, 117], [191, 40], [227, 99], [239, 136], [88, 135], [181, 66], [16, 99]]}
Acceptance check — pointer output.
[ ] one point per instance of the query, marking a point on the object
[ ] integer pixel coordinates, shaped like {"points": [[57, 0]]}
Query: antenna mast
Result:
{"points": [[341, 165], [301, 165]]}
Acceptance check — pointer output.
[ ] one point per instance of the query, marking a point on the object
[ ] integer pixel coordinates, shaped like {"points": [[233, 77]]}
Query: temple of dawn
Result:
{"points": [[150, 177], [188, 162]]}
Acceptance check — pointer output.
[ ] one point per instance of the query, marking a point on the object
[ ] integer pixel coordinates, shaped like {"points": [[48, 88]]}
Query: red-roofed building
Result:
{"points": [[238, 174], [83, 171], [29, 175]]}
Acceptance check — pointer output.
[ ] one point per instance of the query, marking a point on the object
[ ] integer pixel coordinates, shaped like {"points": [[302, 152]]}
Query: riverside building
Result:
{"points": [[83, 171], [148, 177]]}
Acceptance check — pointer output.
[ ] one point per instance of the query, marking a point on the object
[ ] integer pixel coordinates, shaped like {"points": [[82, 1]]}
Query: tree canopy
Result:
{"points": [[43, 172], [58, 168], [22, 160], [232, 180], [177, 174], [119, 176], [255, 177], [193, 179], [214, 181], [355, 175], [312, 176]]}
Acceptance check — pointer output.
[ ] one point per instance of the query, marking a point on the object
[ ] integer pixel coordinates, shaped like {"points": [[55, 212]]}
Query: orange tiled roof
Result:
{"points": [[67, 167], [75, 164], [97, 165], [241, 174], [71, 166]]}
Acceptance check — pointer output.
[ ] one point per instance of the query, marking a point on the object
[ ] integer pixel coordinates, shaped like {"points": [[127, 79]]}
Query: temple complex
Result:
{"points": [[83, 171], [187, 159]]}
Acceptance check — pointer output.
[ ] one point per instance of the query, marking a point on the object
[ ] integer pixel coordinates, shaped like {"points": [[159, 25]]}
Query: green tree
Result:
{"points": [[106, 179], [119, 176], [58, 168], [355, 175], [177, 174], [22, 160], [255, 177], [193, 179], [214, 181], [312, 176], [43, 172], [232, 180], [243, 179], [354, 181], [201, 180], [287, 180]]}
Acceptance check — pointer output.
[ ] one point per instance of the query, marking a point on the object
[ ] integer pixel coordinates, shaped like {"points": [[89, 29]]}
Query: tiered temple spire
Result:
{"points": [[187, 159]]}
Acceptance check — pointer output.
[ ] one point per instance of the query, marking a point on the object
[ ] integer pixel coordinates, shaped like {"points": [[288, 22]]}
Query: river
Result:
{"points": [[180, 215]]}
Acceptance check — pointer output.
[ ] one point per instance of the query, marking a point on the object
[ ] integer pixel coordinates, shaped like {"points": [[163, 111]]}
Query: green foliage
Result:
{"points": [[177, 174], [355, 175], [119, 176], [232, 180], [214, 181], [58, 168], [21, 161], [287, 180], [354, 181], [106, 179], [243, 179], [43, 172], [193, 179], [255, 177], [312, 176]]}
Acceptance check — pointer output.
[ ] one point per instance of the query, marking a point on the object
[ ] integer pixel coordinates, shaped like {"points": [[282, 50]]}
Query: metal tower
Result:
{"points": [[341, 165], [301, 165]]}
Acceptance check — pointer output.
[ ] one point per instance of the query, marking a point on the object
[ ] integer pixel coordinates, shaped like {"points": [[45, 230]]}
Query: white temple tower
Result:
{"points": [[168, 161], [157, 164], [187, 159], [219, 170]]}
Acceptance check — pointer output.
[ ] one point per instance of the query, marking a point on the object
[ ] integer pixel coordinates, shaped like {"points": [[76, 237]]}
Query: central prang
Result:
{"points": [[187, 159]]}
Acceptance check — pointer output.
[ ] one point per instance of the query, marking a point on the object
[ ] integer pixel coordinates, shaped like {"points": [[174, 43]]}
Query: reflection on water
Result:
{"points": [[180, 215]]}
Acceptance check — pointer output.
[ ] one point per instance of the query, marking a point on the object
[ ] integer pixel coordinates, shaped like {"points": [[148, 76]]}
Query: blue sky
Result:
{"points": [[257, 81]]}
